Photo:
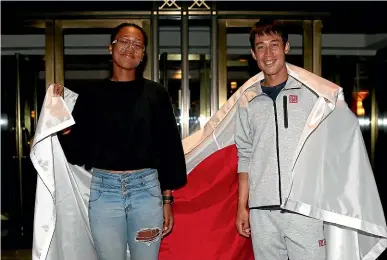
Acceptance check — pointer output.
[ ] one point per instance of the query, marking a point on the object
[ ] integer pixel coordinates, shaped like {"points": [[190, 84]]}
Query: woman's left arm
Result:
{"points": [[172, 170]]}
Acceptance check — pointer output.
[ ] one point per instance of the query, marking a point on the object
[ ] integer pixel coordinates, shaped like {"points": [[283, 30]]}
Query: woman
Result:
{"points": [[126, 134]]}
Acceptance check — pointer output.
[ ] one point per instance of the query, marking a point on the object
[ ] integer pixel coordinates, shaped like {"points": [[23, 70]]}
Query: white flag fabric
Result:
{"points": [[332, 177]]}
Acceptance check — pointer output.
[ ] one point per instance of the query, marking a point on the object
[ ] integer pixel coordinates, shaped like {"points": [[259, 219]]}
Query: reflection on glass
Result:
{"points": [[200, 91], [199, 85], [200, 74], [239, 69], [170, 77], [352, 73]]}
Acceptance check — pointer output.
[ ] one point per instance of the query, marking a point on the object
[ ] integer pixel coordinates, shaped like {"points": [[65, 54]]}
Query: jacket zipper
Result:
{"points": [[278, 157], [285, 104], [277, 143]]}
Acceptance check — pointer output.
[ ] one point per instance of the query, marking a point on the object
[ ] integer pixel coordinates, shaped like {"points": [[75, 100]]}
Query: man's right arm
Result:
{"points": [[243, 143], [243, 190]]}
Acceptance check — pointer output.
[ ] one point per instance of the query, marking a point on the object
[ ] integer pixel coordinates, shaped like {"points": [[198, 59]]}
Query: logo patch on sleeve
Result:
{"points": [[322, 243]]}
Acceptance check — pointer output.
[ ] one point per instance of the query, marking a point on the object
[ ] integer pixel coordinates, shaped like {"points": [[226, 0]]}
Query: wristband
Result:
{"points": [[169, 199]]}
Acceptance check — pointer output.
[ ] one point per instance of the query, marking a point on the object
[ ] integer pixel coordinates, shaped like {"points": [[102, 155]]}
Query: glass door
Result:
{"points": [[19, 106]]}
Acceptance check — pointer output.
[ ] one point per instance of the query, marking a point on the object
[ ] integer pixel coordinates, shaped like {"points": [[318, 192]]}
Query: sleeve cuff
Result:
{"points": [[243, 166]]}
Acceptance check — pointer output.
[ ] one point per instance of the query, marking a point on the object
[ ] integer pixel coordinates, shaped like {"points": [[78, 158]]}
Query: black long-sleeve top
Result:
{"points": [[127, 126]]}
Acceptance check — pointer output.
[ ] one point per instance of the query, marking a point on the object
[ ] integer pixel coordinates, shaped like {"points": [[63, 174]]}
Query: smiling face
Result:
{"points": [[128, 48], [269, 52]]}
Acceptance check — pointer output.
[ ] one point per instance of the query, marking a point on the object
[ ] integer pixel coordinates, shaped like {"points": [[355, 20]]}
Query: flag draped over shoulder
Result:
{"points": [[205, 209]]}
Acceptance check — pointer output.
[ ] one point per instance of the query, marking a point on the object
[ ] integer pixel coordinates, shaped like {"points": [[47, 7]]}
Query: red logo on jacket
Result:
{"points": [[322, 242], [293, 99]]}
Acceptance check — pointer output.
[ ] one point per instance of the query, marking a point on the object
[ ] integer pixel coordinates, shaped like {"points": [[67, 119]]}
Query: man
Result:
{"points": [[273, 118]]}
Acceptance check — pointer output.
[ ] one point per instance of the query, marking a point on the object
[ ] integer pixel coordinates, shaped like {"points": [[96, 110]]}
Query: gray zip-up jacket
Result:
{"points": [[267, 134]]}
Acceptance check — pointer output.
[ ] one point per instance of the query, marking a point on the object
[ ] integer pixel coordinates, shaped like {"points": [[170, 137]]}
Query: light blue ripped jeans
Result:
{"points": [[126, 209]]}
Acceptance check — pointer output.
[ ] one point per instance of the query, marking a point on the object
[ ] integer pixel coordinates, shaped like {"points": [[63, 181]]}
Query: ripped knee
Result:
{"points": [[148, 235]]}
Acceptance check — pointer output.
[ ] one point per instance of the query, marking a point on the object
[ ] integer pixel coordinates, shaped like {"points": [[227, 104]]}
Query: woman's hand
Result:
{"points": [[58, 90], [168, 219]]}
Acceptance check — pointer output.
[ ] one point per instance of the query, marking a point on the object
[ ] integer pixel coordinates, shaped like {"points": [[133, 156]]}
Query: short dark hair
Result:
{"points": [[117, 29], [267, 26]]}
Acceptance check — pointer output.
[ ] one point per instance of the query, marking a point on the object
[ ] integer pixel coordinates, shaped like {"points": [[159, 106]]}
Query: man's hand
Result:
{"points": [[58, 90], [168, 219], [242, 222]]}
